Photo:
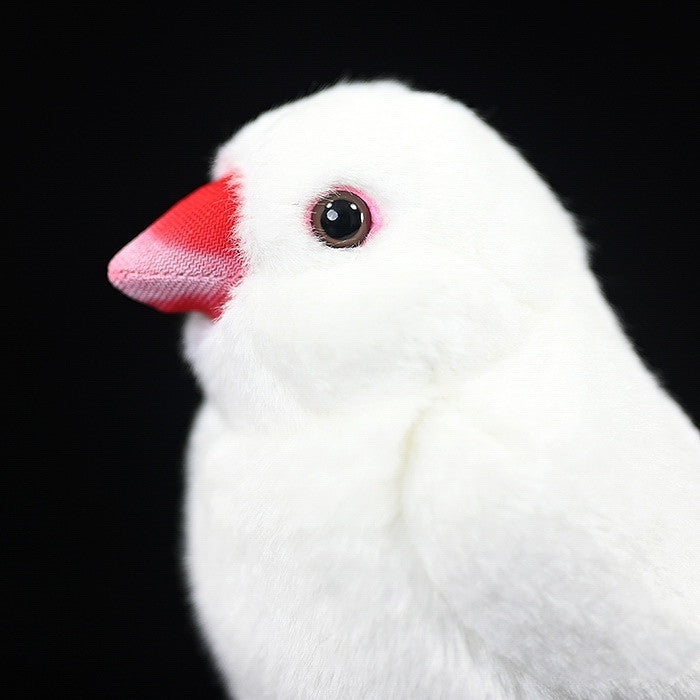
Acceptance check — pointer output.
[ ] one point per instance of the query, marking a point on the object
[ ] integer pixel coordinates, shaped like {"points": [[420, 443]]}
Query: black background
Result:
{"points": [[117, 115]]}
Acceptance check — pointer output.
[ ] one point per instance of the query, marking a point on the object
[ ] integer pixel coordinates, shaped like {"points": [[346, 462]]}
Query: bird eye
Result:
{"points": [[341, 219]]}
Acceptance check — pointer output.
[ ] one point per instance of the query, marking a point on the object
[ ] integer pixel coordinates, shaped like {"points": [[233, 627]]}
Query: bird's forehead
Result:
{"points": [[351, 128]]}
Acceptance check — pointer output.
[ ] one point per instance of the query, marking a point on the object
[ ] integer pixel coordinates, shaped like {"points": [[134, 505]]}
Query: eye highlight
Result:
{"points": [[341, 219]]}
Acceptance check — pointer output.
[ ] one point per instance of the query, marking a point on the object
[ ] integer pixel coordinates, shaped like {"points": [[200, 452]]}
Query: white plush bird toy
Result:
{"points": [[429, 463]]}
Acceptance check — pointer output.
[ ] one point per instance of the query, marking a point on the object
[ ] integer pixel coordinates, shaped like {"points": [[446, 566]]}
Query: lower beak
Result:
{"points": [[189, 259]]}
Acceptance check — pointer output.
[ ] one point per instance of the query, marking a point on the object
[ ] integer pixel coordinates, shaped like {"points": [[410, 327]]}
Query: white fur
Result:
{"points": [[431, 466]]}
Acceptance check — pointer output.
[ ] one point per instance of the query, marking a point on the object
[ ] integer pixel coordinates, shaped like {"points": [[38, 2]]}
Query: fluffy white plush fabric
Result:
{"points": [[431, 466]]}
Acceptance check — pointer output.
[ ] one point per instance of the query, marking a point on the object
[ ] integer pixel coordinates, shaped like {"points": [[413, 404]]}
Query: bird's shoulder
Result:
{"points": [[568, 557]]}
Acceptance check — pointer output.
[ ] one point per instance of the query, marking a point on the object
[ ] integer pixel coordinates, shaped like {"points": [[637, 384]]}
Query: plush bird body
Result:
{"points": [[429, 464]]}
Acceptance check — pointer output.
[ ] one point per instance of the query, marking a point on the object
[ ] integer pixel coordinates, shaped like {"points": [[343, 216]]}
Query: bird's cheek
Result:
{"points": [[189, 259]]}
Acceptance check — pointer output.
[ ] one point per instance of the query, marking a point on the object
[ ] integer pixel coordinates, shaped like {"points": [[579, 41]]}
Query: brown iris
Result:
{"points": [[341, 219]]}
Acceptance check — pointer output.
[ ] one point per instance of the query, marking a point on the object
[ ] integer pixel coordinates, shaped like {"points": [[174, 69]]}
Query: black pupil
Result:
{"points": [[341, 219]]}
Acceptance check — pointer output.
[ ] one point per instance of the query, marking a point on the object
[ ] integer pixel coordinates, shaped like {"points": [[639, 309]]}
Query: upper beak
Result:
{"points": [[189, 259]]}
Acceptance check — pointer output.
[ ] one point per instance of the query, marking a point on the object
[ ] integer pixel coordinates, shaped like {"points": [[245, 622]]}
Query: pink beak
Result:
{"points": [[189, 259]]}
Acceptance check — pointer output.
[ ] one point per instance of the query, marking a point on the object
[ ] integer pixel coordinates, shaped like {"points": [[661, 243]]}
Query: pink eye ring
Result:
{"points": [[341, 219]]}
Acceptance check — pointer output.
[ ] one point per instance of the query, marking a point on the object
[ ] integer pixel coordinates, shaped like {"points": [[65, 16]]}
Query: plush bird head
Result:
{"points": [[356, 244]]}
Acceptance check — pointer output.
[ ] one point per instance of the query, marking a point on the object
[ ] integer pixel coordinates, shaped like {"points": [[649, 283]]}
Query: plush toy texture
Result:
{"points": [[432, 465]]}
